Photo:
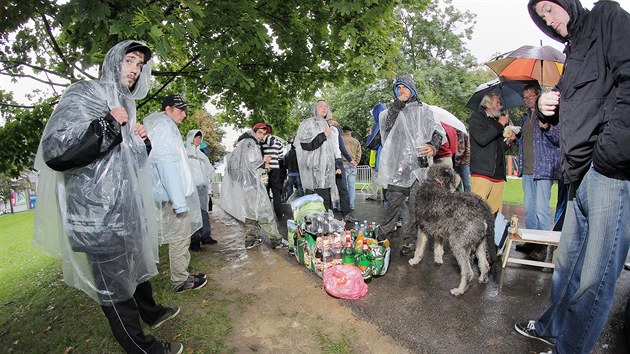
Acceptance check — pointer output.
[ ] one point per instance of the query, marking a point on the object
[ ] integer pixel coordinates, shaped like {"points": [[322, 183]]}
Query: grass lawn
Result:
{"points": [[41, 314], [513, 193]]}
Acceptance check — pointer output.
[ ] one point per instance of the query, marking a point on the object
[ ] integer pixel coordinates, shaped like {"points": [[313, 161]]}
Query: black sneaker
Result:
{"points": [[408, 249], [528, 329], [350, 218], [193, 283], [198, 275], [172, 348], [249, 244], [169, 314]]}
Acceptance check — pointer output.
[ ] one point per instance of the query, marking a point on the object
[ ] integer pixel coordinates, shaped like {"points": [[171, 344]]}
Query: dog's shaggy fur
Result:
{"points": [[464, 218]]}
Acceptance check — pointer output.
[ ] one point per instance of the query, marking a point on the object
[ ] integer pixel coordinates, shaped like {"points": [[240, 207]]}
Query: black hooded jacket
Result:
{"points": [[594, 110]]}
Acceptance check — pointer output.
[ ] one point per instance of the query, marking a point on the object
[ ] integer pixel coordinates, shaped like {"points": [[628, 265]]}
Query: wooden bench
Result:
{"points": [[542, 237]]}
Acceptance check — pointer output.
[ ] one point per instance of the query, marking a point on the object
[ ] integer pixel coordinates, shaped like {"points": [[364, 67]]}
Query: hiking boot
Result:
{"points": [[350, 218], [209, 241], [193, 283], [253, 242], [195, 247], [528, 329], [279, 244], [408, 249], [169, 313], [172, 348]]}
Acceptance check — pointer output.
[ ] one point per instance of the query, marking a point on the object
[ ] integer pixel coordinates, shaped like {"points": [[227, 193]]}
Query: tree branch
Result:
{"points": [[34, 67], [168, 82], [60, 53], [15, 105], [36, 79]]}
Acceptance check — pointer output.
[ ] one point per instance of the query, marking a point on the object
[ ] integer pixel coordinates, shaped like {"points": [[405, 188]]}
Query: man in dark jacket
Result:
{"points": [[592, 104], [487, 151]]}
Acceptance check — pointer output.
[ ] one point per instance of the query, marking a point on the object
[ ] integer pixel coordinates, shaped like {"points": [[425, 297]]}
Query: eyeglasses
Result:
{"points": [[527, 97]]}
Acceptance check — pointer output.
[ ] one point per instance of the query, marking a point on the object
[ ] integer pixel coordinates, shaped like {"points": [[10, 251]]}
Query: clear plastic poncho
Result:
{"points": [[317, 167], [173, 183], [98, 218], [398, 162], [243, 194], [201, 168]]}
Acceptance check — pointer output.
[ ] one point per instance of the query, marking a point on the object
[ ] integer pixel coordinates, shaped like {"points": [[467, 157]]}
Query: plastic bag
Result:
{"points": [[345, 282]]}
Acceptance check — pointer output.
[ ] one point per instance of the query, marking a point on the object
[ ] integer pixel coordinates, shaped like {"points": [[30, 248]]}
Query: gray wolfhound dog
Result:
{"points": [[464, 218]]}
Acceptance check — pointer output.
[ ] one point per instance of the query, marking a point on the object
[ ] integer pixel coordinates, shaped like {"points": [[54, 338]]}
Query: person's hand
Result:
{"points": [[267, 158], [504, 120], [140, 131], [120, 115], [338, 171], [543, 126], [548, 102], [328, 131], [267, 166], [510, 139], [427, 150], [354, 163]]}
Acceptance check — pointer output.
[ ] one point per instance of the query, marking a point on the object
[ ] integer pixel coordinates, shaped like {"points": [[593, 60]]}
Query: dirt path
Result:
{"points": [[279, 305]]}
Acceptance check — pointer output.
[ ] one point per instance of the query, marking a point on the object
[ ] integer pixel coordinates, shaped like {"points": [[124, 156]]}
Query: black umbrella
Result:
{"points": [[510, 92]]}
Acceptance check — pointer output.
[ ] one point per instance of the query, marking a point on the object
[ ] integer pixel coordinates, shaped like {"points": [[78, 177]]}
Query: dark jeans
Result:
{"points": [[396, 202], [294, 182], [275, 184], [342, 187], [124, 320]]}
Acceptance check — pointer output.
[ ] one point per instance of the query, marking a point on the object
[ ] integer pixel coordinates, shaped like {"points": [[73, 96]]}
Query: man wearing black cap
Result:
{"points": [[175, 191], [591, 104], [93, 156]]}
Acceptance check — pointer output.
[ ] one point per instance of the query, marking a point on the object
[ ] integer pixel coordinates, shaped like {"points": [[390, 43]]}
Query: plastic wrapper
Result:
{"points": [[308, 204], [344, 282]]}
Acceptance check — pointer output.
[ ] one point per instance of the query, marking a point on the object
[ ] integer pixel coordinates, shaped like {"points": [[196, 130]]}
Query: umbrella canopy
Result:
{"points": [[446, 117], [541, 63], [510, 92]]}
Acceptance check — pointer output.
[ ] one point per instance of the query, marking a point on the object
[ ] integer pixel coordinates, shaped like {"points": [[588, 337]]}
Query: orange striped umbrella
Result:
{"points": [[541, 63]]}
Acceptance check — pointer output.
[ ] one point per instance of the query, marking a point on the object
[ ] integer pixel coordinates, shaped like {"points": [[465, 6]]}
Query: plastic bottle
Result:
{"points": [[348, 251], [365, 263]]}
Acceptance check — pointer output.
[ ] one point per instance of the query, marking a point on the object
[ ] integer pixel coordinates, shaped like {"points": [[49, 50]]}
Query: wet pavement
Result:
{"points": [[413, 305]]}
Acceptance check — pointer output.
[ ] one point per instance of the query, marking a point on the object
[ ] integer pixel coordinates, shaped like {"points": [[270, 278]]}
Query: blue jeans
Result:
{"points": [[593, 248], [463, 170], [536, 201], [351, 181]]}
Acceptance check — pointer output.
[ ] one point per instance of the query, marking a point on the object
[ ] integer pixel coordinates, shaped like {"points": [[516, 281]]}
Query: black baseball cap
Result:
{"points": [[175, 101], [140, 47]]}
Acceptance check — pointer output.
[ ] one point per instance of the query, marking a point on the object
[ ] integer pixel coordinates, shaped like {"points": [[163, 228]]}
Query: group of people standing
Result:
{"points": [[109, 195]]}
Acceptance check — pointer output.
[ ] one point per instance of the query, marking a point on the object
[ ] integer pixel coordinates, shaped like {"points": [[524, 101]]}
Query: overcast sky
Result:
{"points": [[504, 25]]}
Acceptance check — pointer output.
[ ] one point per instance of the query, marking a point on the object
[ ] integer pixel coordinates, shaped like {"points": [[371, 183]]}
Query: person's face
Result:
{"points": [[197, 141], [403, 92], [176, 114], [260, 134], [322, 109], [554, 15], [495, 106], [132, 66], [529, 96]]}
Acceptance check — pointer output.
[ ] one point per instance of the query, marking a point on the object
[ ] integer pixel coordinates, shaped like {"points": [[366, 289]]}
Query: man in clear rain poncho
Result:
{"points": [[175, 194], [95, 202], [243, 194], [202, 171], [315, 149], [411, 134]]}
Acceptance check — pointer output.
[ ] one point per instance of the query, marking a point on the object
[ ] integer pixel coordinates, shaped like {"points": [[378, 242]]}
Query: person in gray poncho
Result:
{"points": [[202, 172], [94, 194], [175, 194], [243, 194], [315, 149], [410, 133]]}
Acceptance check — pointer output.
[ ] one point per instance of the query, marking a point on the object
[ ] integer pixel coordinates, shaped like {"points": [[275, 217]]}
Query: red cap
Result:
{"points": [[259, 126]]}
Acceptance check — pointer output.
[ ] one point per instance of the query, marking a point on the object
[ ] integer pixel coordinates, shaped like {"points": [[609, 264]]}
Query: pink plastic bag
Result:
{"points": [[344, 282]]}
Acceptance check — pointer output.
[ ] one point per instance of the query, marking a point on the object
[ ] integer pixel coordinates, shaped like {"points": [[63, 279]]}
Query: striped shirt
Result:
{"points": [[273, 147]]}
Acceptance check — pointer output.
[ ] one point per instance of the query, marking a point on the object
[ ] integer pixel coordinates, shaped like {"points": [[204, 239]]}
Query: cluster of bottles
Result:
{"points": [[357, 246]]}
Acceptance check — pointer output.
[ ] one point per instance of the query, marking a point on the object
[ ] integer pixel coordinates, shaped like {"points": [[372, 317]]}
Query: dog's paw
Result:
{"points": [[414, 261], [483, 279], [456, 292]]}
